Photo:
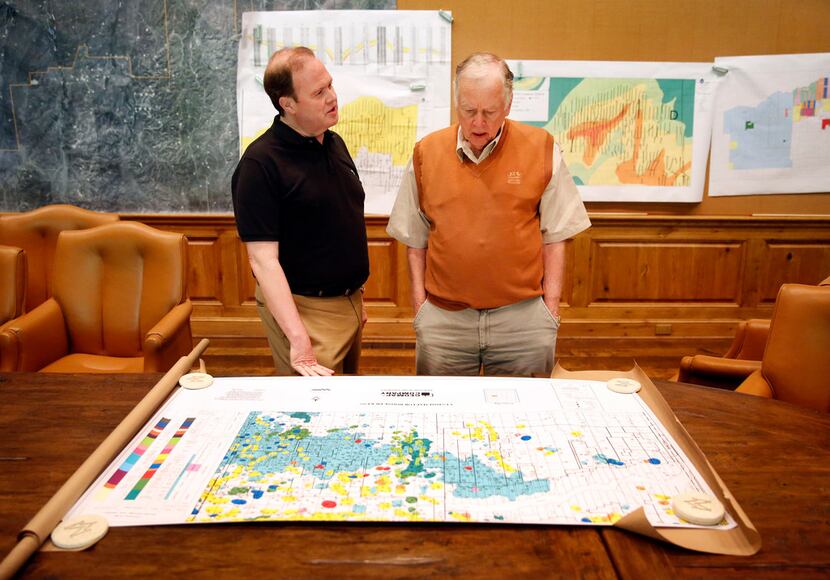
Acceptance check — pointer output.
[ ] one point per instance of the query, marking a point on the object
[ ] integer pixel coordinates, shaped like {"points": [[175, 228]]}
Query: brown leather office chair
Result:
{"points": [[12, 282], [728, 371], [119, 304], [36, 232], [796, 363]]}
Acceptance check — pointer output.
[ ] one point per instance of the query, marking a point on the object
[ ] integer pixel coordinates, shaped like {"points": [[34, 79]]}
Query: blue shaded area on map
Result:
{"points": [[763, 134], [483, 481], [271, 443], [333, 453]]}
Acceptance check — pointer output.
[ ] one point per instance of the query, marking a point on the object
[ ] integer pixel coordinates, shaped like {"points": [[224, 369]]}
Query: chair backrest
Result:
{"points": [[12, 282], [750, 340], [115, 282], [796, 361], [37, 232]]}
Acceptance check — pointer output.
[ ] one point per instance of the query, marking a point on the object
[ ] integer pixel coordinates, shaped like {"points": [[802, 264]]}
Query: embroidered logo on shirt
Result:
{"points": [[514, 177]]}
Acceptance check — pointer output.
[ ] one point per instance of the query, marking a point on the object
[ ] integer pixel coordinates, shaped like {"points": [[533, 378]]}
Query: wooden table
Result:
{"points": [[774, 457]]}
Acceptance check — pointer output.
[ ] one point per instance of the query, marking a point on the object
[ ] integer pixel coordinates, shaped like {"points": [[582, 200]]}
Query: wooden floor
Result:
{"points": [[658, 363]]}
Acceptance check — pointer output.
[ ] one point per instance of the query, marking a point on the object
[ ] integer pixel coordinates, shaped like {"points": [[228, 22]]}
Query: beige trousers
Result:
{"points": [[333, 324], [516, 340]]}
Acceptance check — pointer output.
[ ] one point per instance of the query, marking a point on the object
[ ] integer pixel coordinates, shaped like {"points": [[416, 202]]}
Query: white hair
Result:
{"points": [[481, 65]]}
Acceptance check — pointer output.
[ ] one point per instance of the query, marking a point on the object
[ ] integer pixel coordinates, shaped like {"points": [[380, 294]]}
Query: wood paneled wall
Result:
{"points": [[653, 279]]}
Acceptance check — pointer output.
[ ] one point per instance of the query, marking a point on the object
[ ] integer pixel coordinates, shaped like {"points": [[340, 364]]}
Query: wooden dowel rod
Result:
{"points": [[32, 536]]}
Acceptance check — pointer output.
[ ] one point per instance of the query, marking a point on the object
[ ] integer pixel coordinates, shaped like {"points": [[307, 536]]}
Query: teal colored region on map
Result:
{"points": [[414, 449], [682, 92], [278, 448], [474, 479], [559, 88], [762, 135], [270, 444]]}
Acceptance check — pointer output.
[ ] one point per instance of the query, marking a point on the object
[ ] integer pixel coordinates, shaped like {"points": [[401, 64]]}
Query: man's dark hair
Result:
{"points": [[279, 74]]}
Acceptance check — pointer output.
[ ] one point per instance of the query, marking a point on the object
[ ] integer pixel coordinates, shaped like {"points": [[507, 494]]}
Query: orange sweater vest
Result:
{"points": [[485, 246]]}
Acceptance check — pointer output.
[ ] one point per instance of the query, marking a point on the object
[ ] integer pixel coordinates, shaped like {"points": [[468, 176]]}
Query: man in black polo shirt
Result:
{"points": [[298, 203]]}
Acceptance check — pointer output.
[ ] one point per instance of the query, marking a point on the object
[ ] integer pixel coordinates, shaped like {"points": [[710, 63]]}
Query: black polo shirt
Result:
{"points": [[307, 196]]}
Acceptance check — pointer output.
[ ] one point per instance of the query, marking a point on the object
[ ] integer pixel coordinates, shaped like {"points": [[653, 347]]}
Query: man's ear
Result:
{"points": [[287, 104], [509, 104]]}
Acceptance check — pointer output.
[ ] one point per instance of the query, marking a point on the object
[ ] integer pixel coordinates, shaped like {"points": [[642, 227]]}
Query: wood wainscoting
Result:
{"points": [[649, 288]]}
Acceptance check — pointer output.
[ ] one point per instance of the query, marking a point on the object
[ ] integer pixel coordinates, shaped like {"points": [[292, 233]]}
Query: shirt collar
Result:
{"points": [[290, 136], [463, 148]]}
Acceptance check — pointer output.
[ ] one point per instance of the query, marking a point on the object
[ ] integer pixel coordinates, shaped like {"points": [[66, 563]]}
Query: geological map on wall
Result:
{"points": [[627, 131], [772, 125], [391, 72]]}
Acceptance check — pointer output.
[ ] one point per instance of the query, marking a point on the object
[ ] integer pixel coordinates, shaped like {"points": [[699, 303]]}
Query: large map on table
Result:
{"points": [[434, 449]]}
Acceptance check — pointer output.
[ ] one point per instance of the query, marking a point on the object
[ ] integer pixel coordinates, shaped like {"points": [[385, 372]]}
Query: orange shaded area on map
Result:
{"points": [[655, 173], [595, 133]]}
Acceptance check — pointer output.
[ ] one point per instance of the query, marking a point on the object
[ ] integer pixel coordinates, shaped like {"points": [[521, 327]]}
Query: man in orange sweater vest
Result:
{"points": [[484, 209]]}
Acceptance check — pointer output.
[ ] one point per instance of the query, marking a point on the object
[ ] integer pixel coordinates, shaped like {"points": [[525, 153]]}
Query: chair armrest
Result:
{"points": [[34, 340], [715, 371], [756, 384], [169, 339]]}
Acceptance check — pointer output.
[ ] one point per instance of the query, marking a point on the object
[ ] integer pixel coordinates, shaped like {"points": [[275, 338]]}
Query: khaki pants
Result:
{"points": [[518, 340], [333, 324]]}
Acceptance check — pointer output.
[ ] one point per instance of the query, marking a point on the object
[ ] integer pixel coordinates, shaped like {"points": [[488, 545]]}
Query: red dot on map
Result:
{"points": [[468, 467], [329, 504]]}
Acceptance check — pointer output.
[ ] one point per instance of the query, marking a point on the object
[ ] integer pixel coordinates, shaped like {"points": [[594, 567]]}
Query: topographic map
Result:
{"points": [[124, 106], [772, 128], [434, 449], [391, 72], [628, 131]]}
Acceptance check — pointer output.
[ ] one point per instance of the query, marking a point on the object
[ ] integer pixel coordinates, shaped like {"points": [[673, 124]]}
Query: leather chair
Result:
{"points": [[36, 232], [728, 371], [796, 363], [119, 304], [12, 282]]}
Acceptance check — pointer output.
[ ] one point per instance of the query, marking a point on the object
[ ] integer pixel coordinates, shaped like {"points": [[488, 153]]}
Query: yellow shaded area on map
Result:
{"points": [[367, 122], [248, 140]]}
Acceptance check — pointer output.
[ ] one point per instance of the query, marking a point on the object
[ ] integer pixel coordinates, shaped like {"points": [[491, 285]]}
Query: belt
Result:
{"points": [[325, 292]]}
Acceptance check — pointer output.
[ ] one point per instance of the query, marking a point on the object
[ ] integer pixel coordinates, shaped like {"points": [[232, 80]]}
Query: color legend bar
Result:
{"points": [[140, 449], [159, 460]]}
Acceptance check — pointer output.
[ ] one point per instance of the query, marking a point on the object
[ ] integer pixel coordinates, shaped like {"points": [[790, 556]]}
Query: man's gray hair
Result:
{"points": [[479, 65]]}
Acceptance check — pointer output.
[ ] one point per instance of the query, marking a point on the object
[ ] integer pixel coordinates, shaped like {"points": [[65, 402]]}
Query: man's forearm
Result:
{"points": [[553, 256], [277, 293], [417, 260]]}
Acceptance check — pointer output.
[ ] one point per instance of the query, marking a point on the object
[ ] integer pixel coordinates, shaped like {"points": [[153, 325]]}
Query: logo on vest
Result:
{"points": [[514, 177]]}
